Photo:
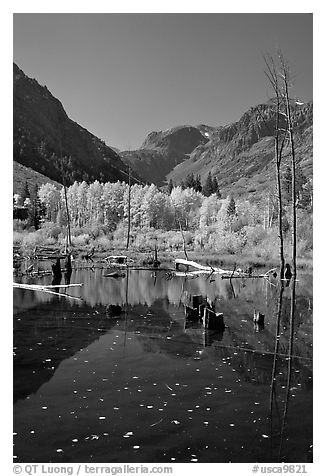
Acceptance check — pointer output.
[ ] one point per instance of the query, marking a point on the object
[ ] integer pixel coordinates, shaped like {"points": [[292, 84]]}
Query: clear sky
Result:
{"points": [[124, 75]]}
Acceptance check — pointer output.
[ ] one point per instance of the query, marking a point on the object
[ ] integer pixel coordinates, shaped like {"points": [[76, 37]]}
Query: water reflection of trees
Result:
{"points": [[280, 432]]}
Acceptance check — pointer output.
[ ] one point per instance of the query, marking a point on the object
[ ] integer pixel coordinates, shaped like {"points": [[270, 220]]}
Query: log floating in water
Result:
{"points": [[35, 287], [42, 286], [200, 267], [114, 275]]}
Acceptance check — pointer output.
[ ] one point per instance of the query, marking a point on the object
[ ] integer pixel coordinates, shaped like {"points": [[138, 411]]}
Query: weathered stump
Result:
{"points": [[191, 313], [259, 318], [213, 321], [197, 300], [201, 310], [113, 310]]}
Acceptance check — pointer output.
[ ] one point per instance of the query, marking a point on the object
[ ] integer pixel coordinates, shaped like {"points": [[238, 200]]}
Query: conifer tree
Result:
{"points": [[216, 188], [198, 186], [231, 209], [25, 193], [190, 181], [208, 187]]}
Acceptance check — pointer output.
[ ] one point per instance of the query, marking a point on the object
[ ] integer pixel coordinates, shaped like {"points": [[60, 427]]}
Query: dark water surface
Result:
{"points": [[149, 386]]}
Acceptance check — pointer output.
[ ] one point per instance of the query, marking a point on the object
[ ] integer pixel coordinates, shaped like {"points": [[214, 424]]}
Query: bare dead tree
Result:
{"points": [[285, 75], [279, 140], [129, 197]]}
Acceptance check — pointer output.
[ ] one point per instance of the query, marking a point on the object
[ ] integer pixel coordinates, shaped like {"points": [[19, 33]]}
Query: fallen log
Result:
{"points": [[26, 286], [45, 290], [114, 275], [202, 268]]}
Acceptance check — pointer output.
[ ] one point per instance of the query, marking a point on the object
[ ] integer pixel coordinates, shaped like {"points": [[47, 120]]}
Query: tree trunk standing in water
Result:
{"points": [[272, 76], [68, 242], [285, 76], [68, 217], [129, 196]]}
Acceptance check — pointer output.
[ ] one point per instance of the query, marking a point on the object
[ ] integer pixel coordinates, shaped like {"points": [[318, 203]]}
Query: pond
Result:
{"points": [[151, 386]]}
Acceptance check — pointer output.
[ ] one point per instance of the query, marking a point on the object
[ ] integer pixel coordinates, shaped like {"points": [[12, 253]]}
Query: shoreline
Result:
{"points": [[166, 257]]}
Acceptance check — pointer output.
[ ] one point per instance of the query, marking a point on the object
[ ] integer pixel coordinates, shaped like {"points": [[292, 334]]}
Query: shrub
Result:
{"points": [[19, 225], [51, 230], [80, 240], [255, 235], [32, 239]]}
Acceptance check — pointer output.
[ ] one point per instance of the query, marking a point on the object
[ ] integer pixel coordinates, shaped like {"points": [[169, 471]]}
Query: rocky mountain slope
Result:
{"points": [[43, 132], [22, 174], [162, 151], [241, 154]]}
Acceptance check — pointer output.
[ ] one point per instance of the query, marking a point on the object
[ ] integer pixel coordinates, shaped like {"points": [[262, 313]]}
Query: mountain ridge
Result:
{"points": [[43, 133], [239, 154]]}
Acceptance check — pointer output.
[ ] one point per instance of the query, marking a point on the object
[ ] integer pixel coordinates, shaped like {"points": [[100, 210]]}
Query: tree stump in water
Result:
{"points": [[113, 310], [213, 321], [191, 313], [197, 300]]}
